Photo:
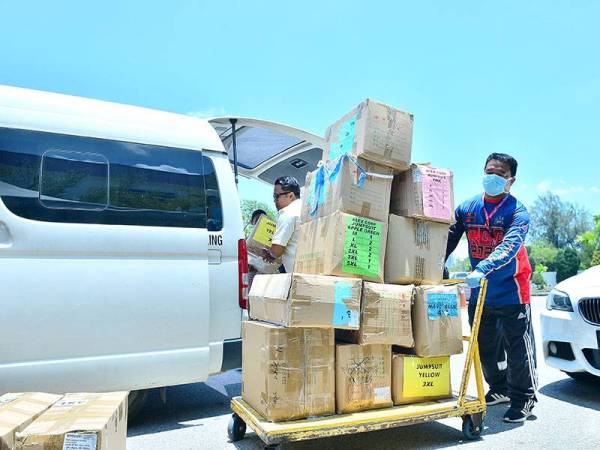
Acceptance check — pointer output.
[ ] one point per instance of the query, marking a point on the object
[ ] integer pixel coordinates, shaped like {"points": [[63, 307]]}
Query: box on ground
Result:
{"points": [[352, 186], [416, 379], [306, 300], [385, 316], [373, 131], [437, 325], [424, 192], [416, 251], [79, 421], [17, 410], [363, 377], [343, 245], [261, 235], [288, 373]]}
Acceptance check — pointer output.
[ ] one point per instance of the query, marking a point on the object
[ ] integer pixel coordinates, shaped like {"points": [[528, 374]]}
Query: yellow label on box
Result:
{"points": [[264, 231], [426, 377]]}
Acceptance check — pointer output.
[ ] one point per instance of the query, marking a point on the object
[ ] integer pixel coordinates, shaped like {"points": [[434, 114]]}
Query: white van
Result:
{"points": [[122, 258]]}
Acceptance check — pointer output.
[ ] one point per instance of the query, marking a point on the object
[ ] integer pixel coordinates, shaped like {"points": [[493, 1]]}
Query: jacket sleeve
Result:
{"points": [[456, 232], [511, 244]]}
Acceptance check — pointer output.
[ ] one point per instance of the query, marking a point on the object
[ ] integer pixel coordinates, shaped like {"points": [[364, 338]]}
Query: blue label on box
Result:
{"points": [[342, 315], [441, 304], [344, 139]]}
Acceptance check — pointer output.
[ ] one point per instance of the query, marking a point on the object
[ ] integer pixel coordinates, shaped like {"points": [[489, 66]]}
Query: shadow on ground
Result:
{"points": [[185, 404], [580, 393]]}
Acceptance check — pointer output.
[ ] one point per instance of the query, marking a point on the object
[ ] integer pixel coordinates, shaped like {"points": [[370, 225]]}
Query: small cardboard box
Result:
{"points": [[424, 192], [261, 235], [416, 379], [306, 300], [342, 245], [416, 251], [373, 131], [363, 377], [288, 373], [17, 410], [79, 421], [437, 324], [352, 186], [384, 317]]}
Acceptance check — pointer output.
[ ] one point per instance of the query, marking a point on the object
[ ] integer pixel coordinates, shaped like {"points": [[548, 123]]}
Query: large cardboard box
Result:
{"points": [[261, 235], [424, 192], [358, 187], [342, 245], [416, 251], [288, 373], [437, 325], [373, 131], [384, 316], [306, 300], [363, 377], [79, 422], [416, 379], [17, 410]]}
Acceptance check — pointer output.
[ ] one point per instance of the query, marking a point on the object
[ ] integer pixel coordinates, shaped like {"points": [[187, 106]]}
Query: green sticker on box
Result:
{"points": [[362, 247]]}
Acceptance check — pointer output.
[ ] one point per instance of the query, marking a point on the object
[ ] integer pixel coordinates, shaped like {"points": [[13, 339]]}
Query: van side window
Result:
{"points": [[74, 180], [214, 212], [62, 178]]}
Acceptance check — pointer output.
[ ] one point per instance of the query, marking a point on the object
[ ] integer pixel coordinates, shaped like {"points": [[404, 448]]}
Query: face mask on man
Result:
{"points": [[493, 184]]}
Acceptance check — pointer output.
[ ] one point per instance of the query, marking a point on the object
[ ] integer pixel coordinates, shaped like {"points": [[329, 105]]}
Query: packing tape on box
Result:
{"points": [[422, 234], [325, 176]]}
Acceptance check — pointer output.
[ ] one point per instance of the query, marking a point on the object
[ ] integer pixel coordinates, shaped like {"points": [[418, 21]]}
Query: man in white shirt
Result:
{"points": [[286, 194]]}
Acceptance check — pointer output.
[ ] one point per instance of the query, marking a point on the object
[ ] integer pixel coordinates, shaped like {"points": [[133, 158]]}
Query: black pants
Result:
{"points": [[507, 350]]}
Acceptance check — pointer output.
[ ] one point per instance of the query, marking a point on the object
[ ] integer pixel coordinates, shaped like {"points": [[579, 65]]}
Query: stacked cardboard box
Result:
{"points": [[349, 244], [345, 234], [421, 211], [79, 421], [17, 410]]}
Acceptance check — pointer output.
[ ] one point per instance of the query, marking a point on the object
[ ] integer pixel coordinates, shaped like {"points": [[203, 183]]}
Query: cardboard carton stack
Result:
{"points": [[79, 421], [17, 410], [294, 364], [421, 209]]}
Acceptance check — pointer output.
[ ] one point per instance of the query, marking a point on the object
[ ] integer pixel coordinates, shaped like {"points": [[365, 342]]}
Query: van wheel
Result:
{"points": [[135, 403], [583, 376]]}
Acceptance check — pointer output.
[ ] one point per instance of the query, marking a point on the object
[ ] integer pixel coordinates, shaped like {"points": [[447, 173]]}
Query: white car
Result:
{"points": [[571, 326]]}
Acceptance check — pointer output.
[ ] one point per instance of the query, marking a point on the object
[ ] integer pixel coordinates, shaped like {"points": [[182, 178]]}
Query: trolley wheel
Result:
{"points": [[236, 429], [471, 430]]}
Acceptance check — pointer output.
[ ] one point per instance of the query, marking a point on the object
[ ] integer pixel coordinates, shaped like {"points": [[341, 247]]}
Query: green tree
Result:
{"points": [[249, 206], [567, 262], [589, 243], [558, 222], [460, 265], [544, 253], [538, 279], [596, 258]]}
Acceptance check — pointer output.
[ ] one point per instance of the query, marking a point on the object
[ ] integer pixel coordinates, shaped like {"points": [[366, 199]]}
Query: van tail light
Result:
{"points": [[243, 274]]}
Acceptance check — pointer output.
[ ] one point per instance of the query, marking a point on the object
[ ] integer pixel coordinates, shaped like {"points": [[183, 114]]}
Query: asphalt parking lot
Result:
{"points": [[196, 416]]}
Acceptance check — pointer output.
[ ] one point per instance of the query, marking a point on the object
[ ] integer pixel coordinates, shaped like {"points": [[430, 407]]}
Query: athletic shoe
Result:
{"points": [[519, 412], [493, 398]]}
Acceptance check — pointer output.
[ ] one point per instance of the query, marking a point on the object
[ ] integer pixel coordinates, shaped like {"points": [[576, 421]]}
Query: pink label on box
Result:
{"points": [[437, 193]]}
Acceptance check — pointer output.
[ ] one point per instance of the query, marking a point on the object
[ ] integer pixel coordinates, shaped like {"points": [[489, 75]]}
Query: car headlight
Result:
{"points": [[559, 300]]}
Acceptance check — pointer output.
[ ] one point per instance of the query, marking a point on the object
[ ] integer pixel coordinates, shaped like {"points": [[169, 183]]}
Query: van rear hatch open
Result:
{"points": [[267, 150]]}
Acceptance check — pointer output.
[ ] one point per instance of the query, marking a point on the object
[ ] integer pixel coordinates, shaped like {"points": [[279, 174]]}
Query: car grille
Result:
{"points": [[590, 310]]}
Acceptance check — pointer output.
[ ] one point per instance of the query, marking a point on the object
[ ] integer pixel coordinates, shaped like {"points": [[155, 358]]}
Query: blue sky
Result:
{"points": [[480, 76]]}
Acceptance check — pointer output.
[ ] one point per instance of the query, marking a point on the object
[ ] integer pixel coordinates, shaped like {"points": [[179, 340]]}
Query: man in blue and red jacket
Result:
{"points": [[496, 225]]}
